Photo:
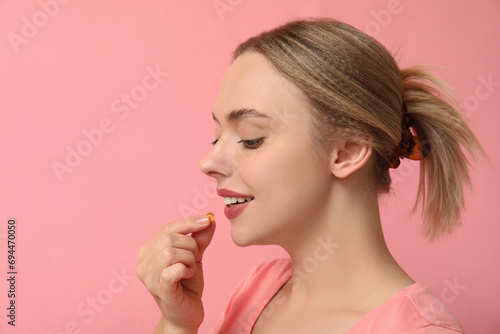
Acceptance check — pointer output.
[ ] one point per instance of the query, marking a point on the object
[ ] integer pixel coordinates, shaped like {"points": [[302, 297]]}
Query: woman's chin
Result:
{"points": [[242, 237], [245, 239], [242, 241]]}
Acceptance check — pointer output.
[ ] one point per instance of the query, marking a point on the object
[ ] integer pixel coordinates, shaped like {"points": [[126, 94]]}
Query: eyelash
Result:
{"points": [[248, 144]]}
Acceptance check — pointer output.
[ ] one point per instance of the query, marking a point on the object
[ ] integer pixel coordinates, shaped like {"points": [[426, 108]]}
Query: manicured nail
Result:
{"points": [[202, 220]]}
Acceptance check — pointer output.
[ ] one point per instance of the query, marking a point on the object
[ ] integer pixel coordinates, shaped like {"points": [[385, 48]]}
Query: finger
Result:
{"points": [[169, 285], [180, 241], [183, 226], [171, 256], [203, 238], [189, 225], [176, 241], [150, 270]]}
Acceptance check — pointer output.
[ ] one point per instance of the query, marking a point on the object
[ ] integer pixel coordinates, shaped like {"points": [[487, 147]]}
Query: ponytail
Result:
{"points": [[445, 171]]}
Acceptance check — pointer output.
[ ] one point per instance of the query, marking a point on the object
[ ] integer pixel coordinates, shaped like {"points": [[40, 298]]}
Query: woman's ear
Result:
{"points": [[348, 156]]}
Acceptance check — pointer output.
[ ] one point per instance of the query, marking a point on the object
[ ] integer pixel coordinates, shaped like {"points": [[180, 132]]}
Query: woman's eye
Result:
{"points": [[252, 144], [247, 144]]}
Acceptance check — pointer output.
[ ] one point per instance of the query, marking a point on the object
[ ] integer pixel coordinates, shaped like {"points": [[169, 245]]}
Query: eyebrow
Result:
{"points": [[238, 114]]}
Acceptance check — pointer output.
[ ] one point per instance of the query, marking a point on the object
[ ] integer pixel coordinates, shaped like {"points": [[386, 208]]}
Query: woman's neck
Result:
{"points": [[341, 260]]}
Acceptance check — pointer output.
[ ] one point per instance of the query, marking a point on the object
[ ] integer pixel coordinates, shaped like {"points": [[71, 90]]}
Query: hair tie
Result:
{"points": [[410, 146]]}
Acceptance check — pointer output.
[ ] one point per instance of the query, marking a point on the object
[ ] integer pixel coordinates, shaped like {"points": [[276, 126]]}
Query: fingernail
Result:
{"points": [[202, 220]]}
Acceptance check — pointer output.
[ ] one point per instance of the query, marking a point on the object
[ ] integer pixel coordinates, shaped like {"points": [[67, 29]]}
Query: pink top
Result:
{"points": [[415, 309]]}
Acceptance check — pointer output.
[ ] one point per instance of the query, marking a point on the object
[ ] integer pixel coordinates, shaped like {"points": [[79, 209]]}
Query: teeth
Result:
{"points": [[234, 200]]}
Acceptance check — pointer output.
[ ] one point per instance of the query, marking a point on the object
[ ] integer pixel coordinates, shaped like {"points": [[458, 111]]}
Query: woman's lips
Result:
{"points": [[235, 210], [230, 193]]}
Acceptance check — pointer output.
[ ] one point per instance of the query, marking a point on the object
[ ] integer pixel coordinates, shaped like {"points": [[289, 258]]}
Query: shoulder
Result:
{"points": [[428, 313], [413, 310]]}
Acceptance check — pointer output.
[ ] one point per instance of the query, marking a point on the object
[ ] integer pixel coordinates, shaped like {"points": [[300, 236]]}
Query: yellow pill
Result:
{"points": [[211, 216]]}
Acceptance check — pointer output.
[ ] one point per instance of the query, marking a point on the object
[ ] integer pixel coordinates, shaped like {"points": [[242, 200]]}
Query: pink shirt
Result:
{"points": [[415, 309]]}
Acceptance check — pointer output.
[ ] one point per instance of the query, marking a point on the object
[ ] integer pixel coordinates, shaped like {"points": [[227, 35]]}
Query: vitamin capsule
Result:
{"points": [[211, 216]]}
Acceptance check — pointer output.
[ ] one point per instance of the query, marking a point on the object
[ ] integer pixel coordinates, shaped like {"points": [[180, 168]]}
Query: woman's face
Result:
{"points": [[289, 185]]}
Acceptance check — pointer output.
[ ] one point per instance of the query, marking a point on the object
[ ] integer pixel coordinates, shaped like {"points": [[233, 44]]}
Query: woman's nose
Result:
{"points": [[206, 164], [215, 163]]}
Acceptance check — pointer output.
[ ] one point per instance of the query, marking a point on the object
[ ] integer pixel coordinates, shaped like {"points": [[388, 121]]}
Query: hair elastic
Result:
{"points": [[410, 146]]}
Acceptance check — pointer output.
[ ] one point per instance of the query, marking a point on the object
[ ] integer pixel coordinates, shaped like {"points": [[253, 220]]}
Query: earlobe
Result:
{"points": [[348, 157]]}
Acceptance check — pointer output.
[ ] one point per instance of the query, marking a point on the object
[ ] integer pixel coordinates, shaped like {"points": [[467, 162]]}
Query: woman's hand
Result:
{"points": [[170, 268]]}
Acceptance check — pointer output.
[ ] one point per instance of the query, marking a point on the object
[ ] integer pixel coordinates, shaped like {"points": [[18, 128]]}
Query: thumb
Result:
{"points": [[204, 237]]}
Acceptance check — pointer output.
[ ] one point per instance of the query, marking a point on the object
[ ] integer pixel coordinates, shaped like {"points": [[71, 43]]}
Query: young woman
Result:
{"points": [[309, 119]]}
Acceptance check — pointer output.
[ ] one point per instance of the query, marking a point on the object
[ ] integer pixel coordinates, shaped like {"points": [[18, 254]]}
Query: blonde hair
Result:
{"points": [[355, 86]]}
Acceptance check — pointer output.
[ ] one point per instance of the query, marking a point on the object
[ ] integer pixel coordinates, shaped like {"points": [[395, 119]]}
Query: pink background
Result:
{"points": [[65, 68]]}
